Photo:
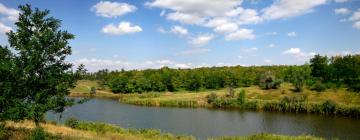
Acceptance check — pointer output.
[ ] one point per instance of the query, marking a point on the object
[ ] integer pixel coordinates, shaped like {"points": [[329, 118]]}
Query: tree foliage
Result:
{"points": [[35, 78]]}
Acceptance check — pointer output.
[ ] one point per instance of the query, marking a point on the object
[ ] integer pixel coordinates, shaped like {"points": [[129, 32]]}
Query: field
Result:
{"points": [[339, 96]]}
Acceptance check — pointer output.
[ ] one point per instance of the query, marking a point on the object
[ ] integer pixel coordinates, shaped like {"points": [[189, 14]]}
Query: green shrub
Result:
{"points": [[92, 90], [211, 97], [71, 122], [328, 107], [38, 134], [319, 86], [251, 105]]}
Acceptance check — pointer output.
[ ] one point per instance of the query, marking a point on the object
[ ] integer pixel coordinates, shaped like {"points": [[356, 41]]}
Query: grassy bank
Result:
{"points": [[100, 131], [332, 101]]}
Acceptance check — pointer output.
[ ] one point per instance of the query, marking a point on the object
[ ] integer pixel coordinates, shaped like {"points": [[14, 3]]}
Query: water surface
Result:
{"points": [[203, 123]]}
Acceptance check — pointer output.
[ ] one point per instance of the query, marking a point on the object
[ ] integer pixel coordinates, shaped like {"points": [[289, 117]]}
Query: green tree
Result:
{"points": [[43, 78], [297, 75], [320, 67]]}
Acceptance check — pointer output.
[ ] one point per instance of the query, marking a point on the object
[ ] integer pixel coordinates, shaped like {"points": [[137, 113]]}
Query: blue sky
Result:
{"points": [[139, 34]]}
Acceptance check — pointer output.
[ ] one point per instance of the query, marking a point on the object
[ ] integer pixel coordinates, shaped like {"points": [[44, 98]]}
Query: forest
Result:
{"points": [[321, 73]]}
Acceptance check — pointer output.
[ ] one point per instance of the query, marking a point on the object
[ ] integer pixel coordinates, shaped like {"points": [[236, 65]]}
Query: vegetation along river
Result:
{"points": [[203, 123]]}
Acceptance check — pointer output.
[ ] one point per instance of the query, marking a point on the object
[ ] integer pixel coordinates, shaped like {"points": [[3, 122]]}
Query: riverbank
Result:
{"points": [[333, 101], [100, 131]]}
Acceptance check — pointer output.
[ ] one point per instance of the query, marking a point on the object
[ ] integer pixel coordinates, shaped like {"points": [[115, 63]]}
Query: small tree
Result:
{"points": [[297, 75], [211, 97], [268, 81], [41, 78]]}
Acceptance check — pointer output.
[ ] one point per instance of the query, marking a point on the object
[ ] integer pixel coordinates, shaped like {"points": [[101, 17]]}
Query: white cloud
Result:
{"points": [[4, 28], [297, 53], [183, 66], [282, 9], [121, 29], [293, 51], [94, 64], [222, 25], [356, 25], [342, 11], [241, 34], [244, 16], [164, 62], [178, 30], [355, 16], [271, 45], [341, 1], [197, 7], [10, 13], [291, 34], [112, 9], [185, 18], [201, 39]]}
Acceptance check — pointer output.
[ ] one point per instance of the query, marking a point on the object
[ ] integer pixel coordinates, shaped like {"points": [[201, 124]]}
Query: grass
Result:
{"points": [[100, 131], [347, 103]]}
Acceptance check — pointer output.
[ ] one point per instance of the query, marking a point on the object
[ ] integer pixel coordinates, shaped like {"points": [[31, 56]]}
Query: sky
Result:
{"points": [[141, 34]]}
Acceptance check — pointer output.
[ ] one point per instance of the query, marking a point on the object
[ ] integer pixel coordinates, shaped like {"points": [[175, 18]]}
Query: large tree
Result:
{"points": [[38, 69]]}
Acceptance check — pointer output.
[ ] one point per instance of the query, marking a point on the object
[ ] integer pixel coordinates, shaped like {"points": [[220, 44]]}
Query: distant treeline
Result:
{"points": [[322, 73]]}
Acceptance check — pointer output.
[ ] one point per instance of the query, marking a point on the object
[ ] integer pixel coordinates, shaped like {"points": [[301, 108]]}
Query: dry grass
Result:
{"points": [[69, 133]]}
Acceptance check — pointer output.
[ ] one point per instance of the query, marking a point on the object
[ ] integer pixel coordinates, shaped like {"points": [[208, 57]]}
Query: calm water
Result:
{"points": [[204, 123]]}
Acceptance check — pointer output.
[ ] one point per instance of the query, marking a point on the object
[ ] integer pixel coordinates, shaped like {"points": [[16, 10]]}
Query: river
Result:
{"points": [[203, 123]]}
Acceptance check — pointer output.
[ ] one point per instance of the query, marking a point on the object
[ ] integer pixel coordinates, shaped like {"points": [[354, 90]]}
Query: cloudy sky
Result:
{"points": [[138, 34]]}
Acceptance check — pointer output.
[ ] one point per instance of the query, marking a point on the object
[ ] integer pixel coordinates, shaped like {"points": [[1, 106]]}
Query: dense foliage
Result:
{"points": [[320, 74], [34, 77]]}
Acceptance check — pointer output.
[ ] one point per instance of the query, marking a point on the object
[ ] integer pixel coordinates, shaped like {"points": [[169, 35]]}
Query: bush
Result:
{"points": [[38, 134], [92, 90], [241, 97], [268, 81], [328, 107], [72, 122], [211, 98], [319, 86]]}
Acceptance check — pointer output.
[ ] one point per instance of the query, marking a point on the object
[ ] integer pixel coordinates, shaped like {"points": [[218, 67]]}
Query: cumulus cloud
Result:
{"points": [[222, 25], [121, 29], [297, 53], [282, 9], [185, 18], [356, 25], [10, 13], [342, 11], [112, 9], [4, 28], [201, 39], [355, 16], [178, 30], [241, 34], [197, 7], [291, 34], [244, 16], [95, 64]]}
